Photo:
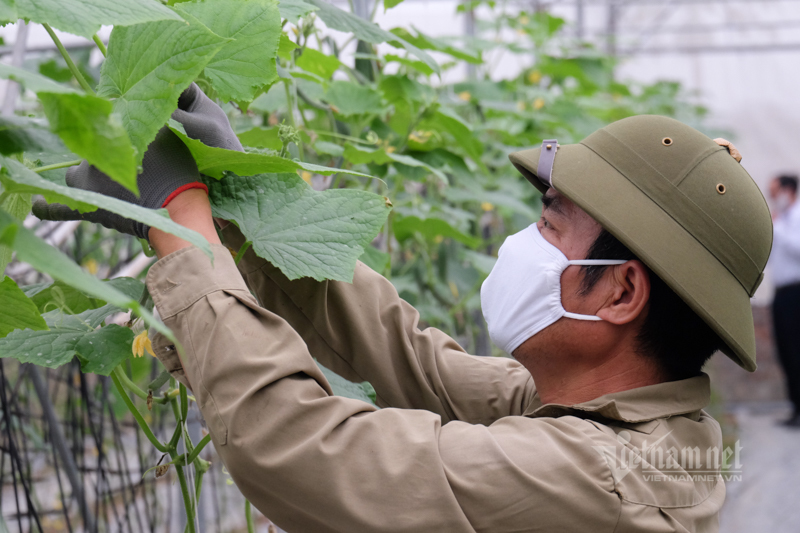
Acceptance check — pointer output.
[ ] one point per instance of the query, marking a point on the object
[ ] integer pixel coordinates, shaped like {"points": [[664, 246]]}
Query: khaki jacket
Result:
{"points": [[462, 444]]}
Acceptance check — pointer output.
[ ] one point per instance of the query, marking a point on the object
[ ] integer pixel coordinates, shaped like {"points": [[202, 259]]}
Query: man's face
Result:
{"points": [[570, 229]]}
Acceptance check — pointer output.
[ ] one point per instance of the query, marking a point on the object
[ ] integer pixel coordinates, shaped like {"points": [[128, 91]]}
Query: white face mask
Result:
{"points": [[522, 294]]}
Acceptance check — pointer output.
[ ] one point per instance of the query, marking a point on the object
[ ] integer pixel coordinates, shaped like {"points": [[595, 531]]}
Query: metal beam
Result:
{"points": [[17, 57], [733, 49], [708, 28]]}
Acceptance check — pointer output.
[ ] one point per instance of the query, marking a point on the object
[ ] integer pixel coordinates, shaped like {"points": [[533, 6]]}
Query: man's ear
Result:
{"points": [[629, 292]]}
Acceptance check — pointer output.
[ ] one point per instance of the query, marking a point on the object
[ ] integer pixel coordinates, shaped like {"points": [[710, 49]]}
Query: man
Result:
{"points": [[785, 265], [609, 348]]}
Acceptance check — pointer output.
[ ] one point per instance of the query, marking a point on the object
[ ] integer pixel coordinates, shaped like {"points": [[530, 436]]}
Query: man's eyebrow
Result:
{"points": [[553, 203]]}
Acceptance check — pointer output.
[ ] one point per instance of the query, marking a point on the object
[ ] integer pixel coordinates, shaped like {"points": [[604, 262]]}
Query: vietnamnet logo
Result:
{"points": [[660, 463]]}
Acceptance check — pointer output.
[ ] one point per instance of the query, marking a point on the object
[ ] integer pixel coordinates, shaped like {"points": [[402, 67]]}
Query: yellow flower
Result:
{"points": [[438, 239], [534, 77], [390, 149], [465, 96], [538, 103], [524, 20], [420, 137], [141, 343], [91, 265], [306, 175], [486, 206]]}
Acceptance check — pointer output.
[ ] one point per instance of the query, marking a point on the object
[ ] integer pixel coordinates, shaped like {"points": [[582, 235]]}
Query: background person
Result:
{"points": [[785, 266]]}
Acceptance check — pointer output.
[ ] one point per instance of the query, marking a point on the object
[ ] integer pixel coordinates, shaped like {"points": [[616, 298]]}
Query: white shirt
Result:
{"points": [[785, 258]]}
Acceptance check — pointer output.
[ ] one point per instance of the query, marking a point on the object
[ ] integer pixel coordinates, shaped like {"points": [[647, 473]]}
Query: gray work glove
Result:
{"points": [[167, 168], [205, 121]]}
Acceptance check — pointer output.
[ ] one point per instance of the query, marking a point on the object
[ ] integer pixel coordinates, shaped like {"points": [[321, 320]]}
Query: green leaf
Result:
{"points": [[271, 101], [431, 227], [88, 128], [285, 47], [58, 295], [347, 389], [328, 148], [18, 206], [498, 198], [388, 4], [349, 98], [17, 311], [85, 123], [55, 71], [375, 259], [99, 350], [24, 135], [52, 261], [365, 30], [147, 68], [247, 62], [8, 11], [261, 138], [448, 121], [33, 81], [293, 10], [301, 231], [398, 87], [359, 154], [482, 262], [84, 17], [424, 42], [419, 66], [318, 63], [18, 178], [215, 162]]}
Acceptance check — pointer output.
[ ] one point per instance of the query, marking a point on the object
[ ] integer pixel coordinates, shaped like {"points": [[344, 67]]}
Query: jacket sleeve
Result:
{"points": [[365, 332], [318, 463]]}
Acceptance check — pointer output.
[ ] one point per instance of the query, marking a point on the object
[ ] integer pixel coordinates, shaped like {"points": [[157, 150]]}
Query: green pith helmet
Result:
{"points": [[681, 203]]}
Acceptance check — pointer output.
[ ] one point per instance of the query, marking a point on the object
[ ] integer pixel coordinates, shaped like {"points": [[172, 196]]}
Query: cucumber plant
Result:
{"points": [[410, 174]]}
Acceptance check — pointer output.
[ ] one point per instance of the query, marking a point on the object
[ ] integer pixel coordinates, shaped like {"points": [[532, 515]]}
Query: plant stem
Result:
{"points": [[187, 498], [134, 388], [242, 251], [184, 402], [100, 45], [68, 59], [248, 514], [291, 99], [176, 436], [198, 485], [342, 136], [199, 448], [136, 414], [56, 166]]}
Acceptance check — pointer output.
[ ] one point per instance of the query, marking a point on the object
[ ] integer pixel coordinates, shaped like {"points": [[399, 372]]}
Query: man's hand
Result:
{"points": [[192, 210], [169, 177], [168, 169], [205, 121]]}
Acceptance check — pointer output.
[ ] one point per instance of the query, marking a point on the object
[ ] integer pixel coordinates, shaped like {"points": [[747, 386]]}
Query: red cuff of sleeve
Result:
{"points": [[176, 192]]}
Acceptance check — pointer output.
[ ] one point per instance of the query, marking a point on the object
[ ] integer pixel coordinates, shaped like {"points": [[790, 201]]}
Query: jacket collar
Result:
{"points": [[635, 405]]}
